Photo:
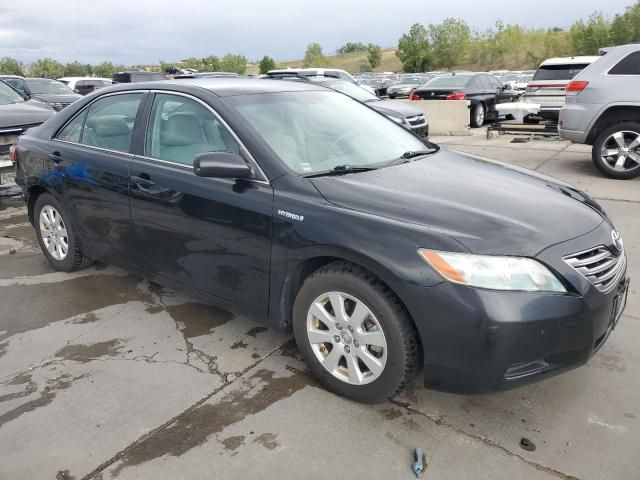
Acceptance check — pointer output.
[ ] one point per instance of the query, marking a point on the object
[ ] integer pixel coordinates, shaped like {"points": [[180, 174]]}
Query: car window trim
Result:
{"points": [[243, 148], [609, 74]]}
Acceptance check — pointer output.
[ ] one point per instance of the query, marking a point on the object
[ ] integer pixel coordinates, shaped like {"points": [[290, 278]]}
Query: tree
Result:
{"points": [[314, 57], [46, 68], [11, 66], [414, 50], [266, 63], [449, 42], [351, 47], [365, 66], [75, 69], [374, 55], [588, 37], [233, 63], [107, 69]]}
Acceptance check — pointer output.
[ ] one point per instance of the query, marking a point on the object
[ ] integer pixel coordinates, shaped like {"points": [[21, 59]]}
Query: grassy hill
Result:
{"points": [[349, 62]]}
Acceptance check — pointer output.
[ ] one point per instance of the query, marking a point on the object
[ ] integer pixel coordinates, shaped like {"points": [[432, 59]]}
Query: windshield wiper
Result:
{"points": [[341, 170], [417, 153]]}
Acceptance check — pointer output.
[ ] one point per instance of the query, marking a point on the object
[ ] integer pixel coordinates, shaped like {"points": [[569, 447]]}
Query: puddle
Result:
{"points": [[85, 353], [197, 319]]}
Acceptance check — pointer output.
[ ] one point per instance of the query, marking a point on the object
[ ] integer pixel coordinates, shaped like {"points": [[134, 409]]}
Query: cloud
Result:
{"points": [[144, 31]]}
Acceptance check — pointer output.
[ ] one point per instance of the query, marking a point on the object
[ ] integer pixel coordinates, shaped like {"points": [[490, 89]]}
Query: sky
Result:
{"points": [[144, 31]]}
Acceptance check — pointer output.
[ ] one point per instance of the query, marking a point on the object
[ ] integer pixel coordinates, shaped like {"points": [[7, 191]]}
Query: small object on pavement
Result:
{"points": [[527, 444], [420, 463]]}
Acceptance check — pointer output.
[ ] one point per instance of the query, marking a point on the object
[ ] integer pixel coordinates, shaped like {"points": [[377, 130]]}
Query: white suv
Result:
{"points": [[548, 86]]}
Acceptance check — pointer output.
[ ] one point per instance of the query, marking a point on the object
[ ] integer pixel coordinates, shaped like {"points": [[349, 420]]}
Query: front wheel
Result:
{"points": [[56, 235], [616, 151], [477, 115], [355, 335]]}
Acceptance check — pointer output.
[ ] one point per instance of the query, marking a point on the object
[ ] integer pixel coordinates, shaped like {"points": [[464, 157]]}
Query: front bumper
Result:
{"points": [[478, 341]]}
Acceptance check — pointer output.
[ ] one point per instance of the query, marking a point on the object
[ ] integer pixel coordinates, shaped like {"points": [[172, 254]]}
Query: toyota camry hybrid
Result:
{"points": [[383, 254]]}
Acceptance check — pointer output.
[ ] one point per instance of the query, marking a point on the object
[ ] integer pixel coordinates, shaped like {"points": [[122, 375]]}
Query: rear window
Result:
{"points": [[559, 72], [629, 65], [452, 81]]}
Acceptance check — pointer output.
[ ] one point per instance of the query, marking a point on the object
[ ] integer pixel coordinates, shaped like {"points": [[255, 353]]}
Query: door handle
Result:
{"points": [[142, 182], [55, 157]]}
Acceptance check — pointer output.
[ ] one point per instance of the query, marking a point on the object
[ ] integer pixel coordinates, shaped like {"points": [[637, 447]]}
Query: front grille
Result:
{"points": [[417, 121], [600, 266]]}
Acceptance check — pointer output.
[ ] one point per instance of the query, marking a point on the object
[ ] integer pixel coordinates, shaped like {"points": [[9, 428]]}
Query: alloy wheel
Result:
{"points": [[53, 232], [480, 115], [620, 151], [346, 338]]}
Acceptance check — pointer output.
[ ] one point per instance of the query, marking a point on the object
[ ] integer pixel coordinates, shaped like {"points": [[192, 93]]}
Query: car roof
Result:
{"points": [[570, 60], [68, 79], [11, 76], [224, 86]]}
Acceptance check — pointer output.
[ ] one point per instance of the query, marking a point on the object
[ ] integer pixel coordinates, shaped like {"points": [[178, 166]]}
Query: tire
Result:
{"points": [[478, 115], [629, 135], [73, 259], [387, 320]]}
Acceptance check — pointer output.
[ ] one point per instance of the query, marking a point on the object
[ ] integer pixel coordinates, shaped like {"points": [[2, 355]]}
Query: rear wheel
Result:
{"points": [[56, 235], [354, 333], [478, 113], [616, 151]]}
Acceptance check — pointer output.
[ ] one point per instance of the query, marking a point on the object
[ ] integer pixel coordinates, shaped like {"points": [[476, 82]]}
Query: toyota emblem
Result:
{"points": [[617, 240]]}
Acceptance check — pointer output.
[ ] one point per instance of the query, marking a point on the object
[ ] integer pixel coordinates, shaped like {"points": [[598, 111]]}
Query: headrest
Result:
{"points": [[182, 129], [108, 125]]}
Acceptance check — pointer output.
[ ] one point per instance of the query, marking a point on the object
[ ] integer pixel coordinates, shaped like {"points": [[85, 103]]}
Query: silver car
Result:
{"points": [[603, 110]]}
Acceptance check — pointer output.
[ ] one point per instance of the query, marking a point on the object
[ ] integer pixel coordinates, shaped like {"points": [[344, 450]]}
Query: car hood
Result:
{"points": [[395, 108], [56, 98], [24, 113], [489, 207]]}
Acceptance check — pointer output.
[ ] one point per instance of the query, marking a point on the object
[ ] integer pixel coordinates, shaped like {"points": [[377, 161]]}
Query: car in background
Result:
{"points": [[313, 71], [52, 92], [85, 85], [516, 81], [409, 117], [603, 110], [482, 90], [548, 87], [17, 115], [136, 77], [206, 75], [405, 86]]}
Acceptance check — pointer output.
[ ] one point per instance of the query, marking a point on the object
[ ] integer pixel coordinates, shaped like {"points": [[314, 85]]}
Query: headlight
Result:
{"points": [[397, 120], [494, 272]]}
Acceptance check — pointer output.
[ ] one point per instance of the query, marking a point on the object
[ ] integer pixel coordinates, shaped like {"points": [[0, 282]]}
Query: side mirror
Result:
{"points": [[507, 87], [221, 165]]}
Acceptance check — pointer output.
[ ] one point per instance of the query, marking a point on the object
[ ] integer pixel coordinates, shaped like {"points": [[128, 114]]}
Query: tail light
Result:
{"points": [[574, 87], [456, 96], [413, 96], [13, 153]]}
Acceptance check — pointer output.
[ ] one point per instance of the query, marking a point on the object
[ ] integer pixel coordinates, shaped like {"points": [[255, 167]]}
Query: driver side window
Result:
{"points": [[180, 128]]}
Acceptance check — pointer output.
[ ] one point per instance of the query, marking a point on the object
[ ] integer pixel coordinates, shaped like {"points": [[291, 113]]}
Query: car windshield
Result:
{"points": [[410, 81], [316, 131], [8, 95], [351, 89], [48, 87], [449, 81], [559, 72]]}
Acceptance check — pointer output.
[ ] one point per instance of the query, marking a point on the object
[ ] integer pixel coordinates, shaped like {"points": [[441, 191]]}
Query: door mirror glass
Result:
{"points": [[221, 165]]}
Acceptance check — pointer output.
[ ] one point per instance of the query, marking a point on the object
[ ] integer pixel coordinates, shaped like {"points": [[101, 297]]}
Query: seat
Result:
{"points": [[183, 138], [108, 131]]}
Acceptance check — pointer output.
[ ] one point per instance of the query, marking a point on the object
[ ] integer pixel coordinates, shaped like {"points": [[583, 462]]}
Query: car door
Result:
{"points": [[211, 234], [89, 161]]}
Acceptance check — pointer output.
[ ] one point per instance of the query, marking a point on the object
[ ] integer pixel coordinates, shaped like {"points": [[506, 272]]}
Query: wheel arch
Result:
{"points": [[33, 193], [610, 116]]}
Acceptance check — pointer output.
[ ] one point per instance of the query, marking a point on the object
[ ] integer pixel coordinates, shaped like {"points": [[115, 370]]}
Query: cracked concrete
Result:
{"points": [[104, 375]]}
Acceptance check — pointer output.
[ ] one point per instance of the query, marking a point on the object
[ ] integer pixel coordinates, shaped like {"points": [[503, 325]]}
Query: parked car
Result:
{"points": [[409, 117], [404, 87], [315, 71], [85, 85], [16, 116], [548, 85], [482, 90], [206, 75], [135, 77], [301, 207], [52, 92], [603, 110]]}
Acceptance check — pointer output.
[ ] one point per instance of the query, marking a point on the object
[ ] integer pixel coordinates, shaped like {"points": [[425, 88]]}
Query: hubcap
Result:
{"points": [[479, 115], [355, 353], [620, 151], [53, 232]]}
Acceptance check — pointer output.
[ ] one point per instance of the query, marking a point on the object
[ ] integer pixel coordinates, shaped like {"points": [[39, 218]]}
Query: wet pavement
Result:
{"points": [[104, 375]]}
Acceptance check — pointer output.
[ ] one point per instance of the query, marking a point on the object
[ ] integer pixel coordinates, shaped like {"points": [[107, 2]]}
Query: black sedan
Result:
{"points": [[317, 215], [52, 92], [482, 90]]}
